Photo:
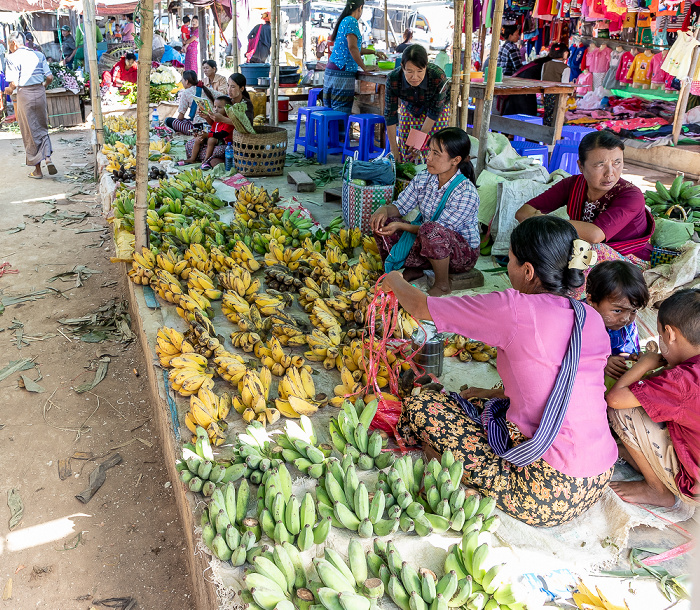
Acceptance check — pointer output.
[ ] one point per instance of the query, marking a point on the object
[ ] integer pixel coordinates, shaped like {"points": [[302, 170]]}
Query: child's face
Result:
{"points": [[617, 312], [220, 106], [669, 345]]}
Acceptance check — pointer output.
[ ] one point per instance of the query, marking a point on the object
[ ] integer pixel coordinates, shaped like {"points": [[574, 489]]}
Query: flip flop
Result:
{"points": [[51, 167], [205, 166], [33, 175]]}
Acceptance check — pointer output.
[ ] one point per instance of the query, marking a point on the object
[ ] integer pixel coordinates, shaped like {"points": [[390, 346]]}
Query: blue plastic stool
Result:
{"points": [[366, 148], [525, 118], [305, 112], [532, 149], [565, 156], [314, 94], [574, 133], [323, 133]]}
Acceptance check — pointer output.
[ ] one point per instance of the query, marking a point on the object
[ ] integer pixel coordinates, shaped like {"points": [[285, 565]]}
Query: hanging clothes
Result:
{"points": [[575, 57], [610, 78], [622, 70], [658, 76], [639, 70], [677, 62]]}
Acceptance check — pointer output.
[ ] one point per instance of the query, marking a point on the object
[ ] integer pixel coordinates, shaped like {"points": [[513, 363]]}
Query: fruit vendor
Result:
{"points": [[237, 93], [416, 98], [124, 71], [445, 237], [605, 210], [187, 116], [549, 453]]}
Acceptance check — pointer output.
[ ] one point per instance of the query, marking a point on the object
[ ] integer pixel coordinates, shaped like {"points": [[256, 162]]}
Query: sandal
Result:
{"points": [[206, 166], [35, 176], [51, 167]]}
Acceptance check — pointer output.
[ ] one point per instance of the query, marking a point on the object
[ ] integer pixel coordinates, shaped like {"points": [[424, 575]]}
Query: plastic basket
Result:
{"points": [[401, 184], [262, 153], [662, 256], [360, 202]]}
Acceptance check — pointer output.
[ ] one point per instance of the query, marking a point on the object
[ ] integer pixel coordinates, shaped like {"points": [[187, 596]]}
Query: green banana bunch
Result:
{"points": [[350, 435], [443, 491], [681, 193], [226, 531], [200, 471], [254, 448], [297, 445], [343, 498], [283, 518]]}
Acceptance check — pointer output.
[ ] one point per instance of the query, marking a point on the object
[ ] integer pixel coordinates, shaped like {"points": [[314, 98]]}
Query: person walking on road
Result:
{"points": [[28, 74]]}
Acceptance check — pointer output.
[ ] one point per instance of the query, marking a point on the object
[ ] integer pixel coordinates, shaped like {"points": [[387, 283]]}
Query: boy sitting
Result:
{"points": [[658, 417]]}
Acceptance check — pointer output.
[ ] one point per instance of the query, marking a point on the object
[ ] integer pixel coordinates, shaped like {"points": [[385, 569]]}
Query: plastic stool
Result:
{"points": [[304, 112], [565, 156], [525, 118], [366, 148], [323, 133], [574, 133], [533, 150], [314, 94]]}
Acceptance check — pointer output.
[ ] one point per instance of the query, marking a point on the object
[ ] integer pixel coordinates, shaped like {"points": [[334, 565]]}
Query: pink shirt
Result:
{"points": [[599, 60], [657, 74], [531, 332]]}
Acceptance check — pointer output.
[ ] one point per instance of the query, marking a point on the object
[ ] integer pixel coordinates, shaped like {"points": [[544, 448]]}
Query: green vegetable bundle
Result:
{"points": [[236, 112]]}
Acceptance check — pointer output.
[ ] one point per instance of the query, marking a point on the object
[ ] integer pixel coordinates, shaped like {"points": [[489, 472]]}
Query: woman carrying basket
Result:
{"points": [[445, 236]]}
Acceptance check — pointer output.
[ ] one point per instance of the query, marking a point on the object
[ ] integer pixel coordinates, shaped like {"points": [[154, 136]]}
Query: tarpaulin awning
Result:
{"points": [[123, 8], [29, 6]]}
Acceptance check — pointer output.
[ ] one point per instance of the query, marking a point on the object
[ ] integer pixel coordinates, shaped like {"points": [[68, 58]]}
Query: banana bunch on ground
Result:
{"points": [[332, 266], [234, 306], [142, 267], [350, 435], [253, 201], [272, 301], [199, 470], [203, 336], [467, 350], [349, 385], [209, 410], [197, 258], [119, 156], [346, 240], [231, 368], [312, 291], [252, 329], [345, 500], [192, 302], [203, 284], [298, 445], [189, 374], [159, 148], [222, 262], [193, 180], [274, 357], [244, 257], [347, 586], [171, 262], [297, 393], [170, 344], [324, 347], [321, 235], [254, 450], [290, 258], [282, 278], [120, 124], [226, 530], [239, 280], [284, 229], [412, 589], [681, 193], [283, 518], [254, 390], [469, 560], [406, 324], [585, 599]]}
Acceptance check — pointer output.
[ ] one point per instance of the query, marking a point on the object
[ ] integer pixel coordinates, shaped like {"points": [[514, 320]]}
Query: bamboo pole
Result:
{"points": [[466, 68], [91, 48], [305, 32], [143, 125], [490, 85], [456, 63], [482, 45], [203, 38], [234, 35], [684, 94], [274, 63], [386, 25]]}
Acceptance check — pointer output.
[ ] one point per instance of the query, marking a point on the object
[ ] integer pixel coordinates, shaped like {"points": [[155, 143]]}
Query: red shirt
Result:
{"points": [[673, 397], [219, 127], [185, 33], [622, 214]]}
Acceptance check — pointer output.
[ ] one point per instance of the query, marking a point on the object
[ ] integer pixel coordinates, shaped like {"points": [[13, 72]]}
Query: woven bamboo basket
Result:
{"points": [[262, 153]]}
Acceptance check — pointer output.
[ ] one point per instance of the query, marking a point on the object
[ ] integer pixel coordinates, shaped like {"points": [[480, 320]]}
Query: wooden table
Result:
{"points": [[374, 102]]}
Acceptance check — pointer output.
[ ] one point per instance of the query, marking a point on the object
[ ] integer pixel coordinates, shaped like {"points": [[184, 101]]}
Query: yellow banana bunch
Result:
{"points": [[288, 257], [191, 301], [274, 358], [297, 393], [253, 201], [197, 258], [234, 306], [140, 274], [120, 124], [287, 333], [311, 292], [254, 391], [240, 282], [244, 257], [230, 367], [323, 348], [272, 303], [209, 411], [405, 325], [167, 260], [170, 343], [189, 374], [349, 386], [245, 340], [467, 350], [347, 239], [159, 147], [252, 322], [221, 261], [585, 599], [202, 284]]}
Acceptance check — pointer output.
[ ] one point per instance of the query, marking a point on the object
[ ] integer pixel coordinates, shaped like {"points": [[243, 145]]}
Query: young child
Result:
{"points": [[220, 133], [658, 417], [617, 290]]}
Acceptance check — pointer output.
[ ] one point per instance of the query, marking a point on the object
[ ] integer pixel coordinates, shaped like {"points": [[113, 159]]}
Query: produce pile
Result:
{"points": [[680, 202]]}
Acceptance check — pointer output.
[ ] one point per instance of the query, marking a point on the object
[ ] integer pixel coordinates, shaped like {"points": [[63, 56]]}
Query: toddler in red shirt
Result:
{"points": [[219, 135], [657, 416]]}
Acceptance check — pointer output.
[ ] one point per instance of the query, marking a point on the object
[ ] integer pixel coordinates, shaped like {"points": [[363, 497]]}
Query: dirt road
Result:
{"points": [[127, 540]]}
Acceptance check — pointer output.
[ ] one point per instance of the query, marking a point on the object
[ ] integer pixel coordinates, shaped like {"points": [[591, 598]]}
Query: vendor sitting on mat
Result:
{"points": [[216, 139], [604, 209], [445, 236], [657, 416], [124, 71], [549, 453], [416, 98]]}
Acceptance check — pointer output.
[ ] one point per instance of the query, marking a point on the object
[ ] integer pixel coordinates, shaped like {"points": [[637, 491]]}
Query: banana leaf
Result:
{"points": [[236, 112], [671, 234]]}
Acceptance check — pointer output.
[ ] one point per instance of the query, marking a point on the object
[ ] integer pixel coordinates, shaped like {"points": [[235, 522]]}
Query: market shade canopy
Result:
{"points": [[29, 6]]}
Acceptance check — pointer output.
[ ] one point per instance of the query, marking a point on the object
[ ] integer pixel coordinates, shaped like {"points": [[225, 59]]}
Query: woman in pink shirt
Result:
{"points": [[128, 29], [537, 332]]}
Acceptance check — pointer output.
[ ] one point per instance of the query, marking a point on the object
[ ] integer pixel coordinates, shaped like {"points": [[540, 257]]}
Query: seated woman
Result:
{"points": [[215, 82], [416, 98], [236, 93], [216, 139], [187, 116], [605, 210], [445, 236], [549, 454], [124, 71]]}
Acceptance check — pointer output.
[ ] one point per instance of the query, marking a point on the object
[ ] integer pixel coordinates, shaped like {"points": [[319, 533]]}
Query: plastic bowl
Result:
{"points": [[385, 65]]}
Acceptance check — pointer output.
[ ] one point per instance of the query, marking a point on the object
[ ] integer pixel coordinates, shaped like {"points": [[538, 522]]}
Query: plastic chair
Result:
{"points": [[314, 95], [565, 156], [304, 113], [525, 118], [366, 148], [574, 133], [533, 150], [323, 133]]}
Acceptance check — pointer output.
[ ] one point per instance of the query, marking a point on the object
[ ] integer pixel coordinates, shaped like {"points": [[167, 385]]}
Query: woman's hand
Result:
{"points": [[380, 55], [392, 280], [392, 227], [483, 393], [378, 219]]}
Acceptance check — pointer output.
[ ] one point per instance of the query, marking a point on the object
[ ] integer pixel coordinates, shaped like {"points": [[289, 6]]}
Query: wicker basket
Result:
{"points": [[262, 153], [401, 184], [663, 256]]}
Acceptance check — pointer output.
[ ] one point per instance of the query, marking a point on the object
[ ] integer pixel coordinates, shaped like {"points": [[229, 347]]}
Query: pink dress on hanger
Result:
{"points": [[585, 80], [625, 63], [658, 76]]}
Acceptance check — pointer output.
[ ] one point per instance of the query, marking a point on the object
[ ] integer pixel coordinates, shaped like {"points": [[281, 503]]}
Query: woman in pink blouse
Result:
{"points": [[553, 457], [128, 29]]}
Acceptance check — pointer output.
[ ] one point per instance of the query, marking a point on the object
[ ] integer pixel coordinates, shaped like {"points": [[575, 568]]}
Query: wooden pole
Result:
{"points": [[684, 94], [217, 36], [305, 31], [456, 63], [490, 85], [482, 45], [203, 38], [386, 25], [143, 125], [466, 77], [274, 63], [234, 35], [91, 48]]}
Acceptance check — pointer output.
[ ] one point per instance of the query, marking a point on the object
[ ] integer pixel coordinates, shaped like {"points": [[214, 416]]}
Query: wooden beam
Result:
{"points": [[91, 48], [456, 62], [143, 126], [203, 38], [685, 93], [386, 25], [234, 35], [466, 68], [483, 129], [274, 62], [529, 131], [306, 32]]}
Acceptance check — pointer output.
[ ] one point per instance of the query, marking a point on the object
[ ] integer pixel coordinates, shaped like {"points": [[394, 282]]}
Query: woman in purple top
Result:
{"points": [[536, 331], [191, 46], [604, 209]]}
